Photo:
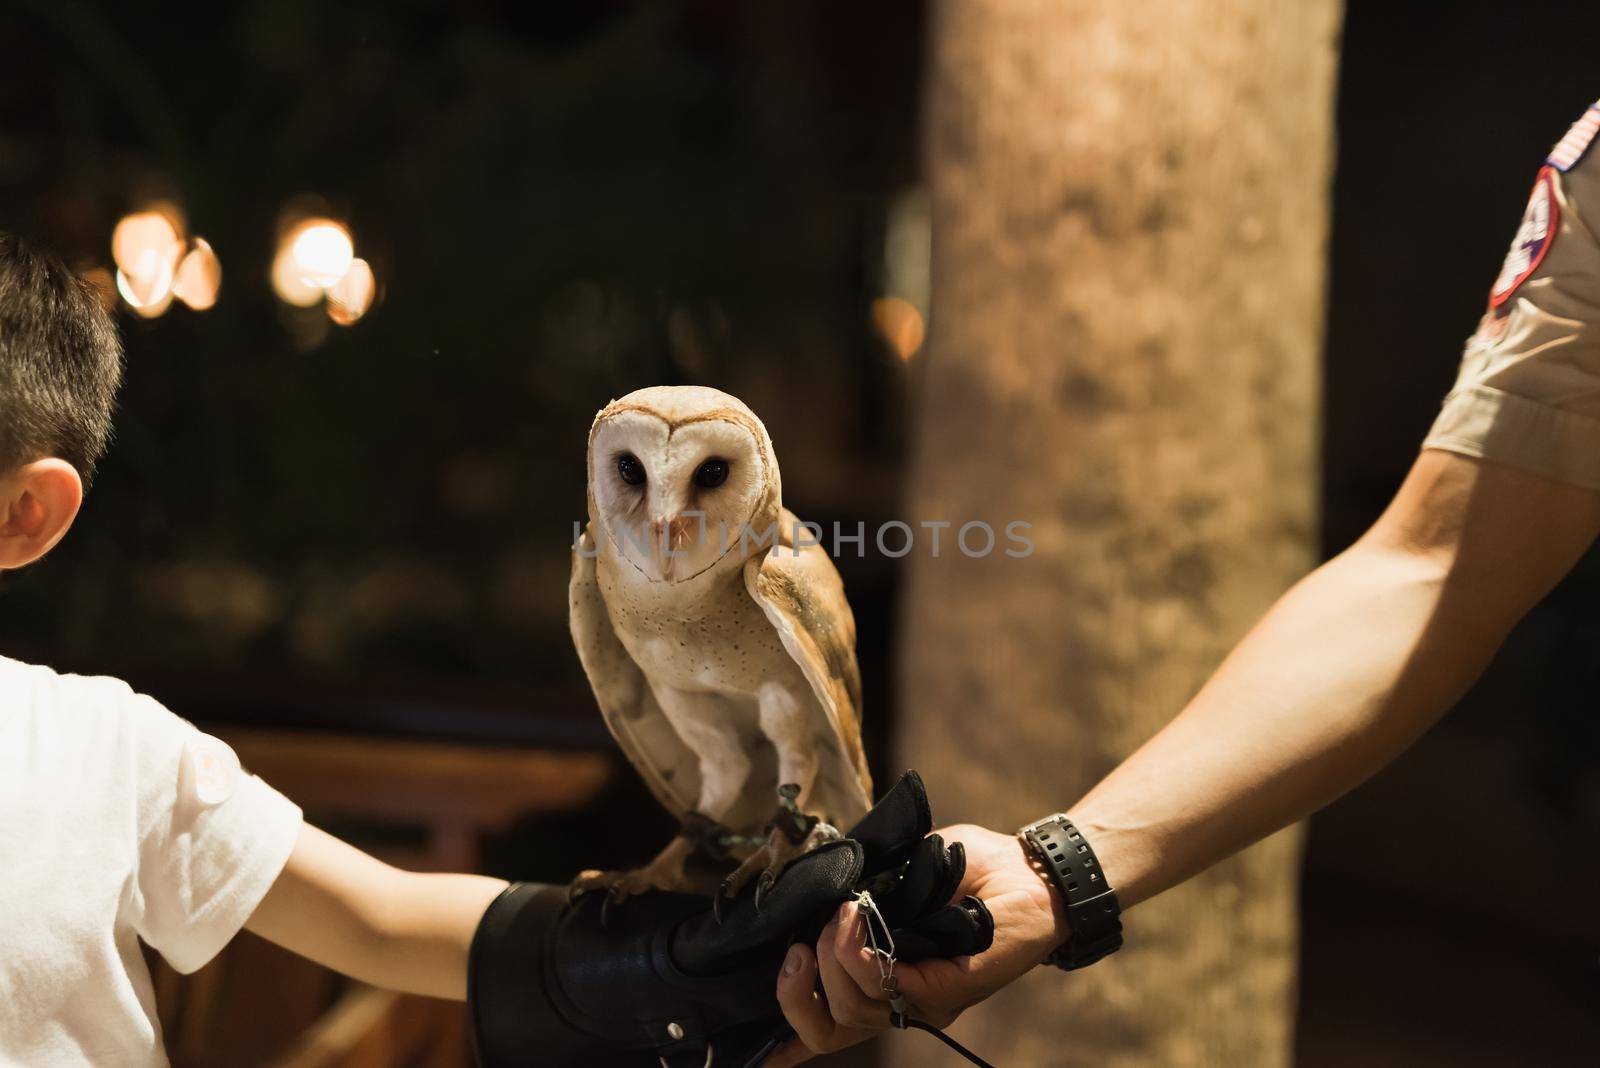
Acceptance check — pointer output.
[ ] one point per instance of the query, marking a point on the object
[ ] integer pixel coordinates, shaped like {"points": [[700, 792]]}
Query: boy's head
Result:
{"points": [[60, 366]]}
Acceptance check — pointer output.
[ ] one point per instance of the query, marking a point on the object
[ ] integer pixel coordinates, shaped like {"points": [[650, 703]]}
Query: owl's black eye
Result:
{"points": [[630, 469], [711, 474]]}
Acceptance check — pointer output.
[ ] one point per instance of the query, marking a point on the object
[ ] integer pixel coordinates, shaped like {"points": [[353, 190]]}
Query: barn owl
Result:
{"points": [[721, 654]]}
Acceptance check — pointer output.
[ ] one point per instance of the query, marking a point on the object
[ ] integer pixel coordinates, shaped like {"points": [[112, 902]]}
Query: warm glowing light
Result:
{"points": [[322, 251], [146, 248], [351, 296], [148, 302], [146, 284], [143, 232], [900, 324], [199, 276], [289, 285]]}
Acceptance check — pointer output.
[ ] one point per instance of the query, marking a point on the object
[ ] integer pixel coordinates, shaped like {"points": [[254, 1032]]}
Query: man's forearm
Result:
{"points": [[1348, 669], [1339, 677]]}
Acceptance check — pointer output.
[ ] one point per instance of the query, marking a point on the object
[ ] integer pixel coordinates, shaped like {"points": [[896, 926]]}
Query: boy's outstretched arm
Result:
{"points": [[357, 915]]}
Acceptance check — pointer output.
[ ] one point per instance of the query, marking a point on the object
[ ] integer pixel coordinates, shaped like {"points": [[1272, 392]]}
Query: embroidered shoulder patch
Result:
{"points": [[1534, 238], [1570, 149]]}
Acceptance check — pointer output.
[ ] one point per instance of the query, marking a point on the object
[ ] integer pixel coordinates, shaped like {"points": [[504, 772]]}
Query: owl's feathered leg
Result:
{"points": [[702, 722], [791, 834], [788, 718]]}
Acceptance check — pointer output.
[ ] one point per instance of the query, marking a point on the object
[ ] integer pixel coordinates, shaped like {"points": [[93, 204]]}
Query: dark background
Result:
{"points": [[366, 528]]}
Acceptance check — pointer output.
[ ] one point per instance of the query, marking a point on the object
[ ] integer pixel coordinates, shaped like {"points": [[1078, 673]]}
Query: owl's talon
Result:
{"points": [[719, 899], [766, 864], [588, 882], [667, 872], [764, 886]]}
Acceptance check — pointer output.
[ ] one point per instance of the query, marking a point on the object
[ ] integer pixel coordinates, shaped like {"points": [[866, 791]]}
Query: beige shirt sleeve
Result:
{"points": [[1528, 392]]}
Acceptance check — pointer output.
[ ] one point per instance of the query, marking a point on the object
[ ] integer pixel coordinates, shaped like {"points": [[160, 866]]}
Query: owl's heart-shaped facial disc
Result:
{"points": [[676, 483]]}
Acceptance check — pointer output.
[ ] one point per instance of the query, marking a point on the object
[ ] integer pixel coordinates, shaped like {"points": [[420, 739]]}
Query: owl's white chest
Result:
{"points": [[696, 636]]}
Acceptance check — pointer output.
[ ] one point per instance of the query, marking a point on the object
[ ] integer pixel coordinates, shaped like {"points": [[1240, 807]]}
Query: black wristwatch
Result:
{"points": [[1092, 909]]}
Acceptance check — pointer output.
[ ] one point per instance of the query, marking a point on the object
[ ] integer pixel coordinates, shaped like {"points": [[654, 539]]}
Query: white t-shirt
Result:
{"points": [[118, 821]]}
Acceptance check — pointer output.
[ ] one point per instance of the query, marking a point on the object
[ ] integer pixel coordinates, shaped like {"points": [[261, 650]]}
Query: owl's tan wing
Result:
{"points": [[803, 597], [627, 703]]}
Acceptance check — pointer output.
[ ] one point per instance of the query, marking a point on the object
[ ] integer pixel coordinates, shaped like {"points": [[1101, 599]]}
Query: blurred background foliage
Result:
{"points": [[561, 203]]}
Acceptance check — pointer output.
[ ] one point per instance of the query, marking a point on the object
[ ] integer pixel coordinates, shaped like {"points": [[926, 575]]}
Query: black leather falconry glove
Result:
{"points": [[661, 981], [912, 875]]}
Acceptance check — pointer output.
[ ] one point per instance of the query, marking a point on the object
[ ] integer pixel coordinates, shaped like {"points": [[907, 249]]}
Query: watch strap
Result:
{"points": [[1093, 914]]}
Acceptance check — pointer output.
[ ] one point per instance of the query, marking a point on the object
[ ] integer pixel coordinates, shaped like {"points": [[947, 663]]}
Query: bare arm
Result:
{"points": [[391, 928], [1346, 670]]}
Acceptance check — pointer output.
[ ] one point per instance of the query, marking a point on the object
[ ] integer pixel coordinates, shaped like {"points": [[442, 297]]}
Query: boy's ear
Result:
{"points": [[37, 504]]}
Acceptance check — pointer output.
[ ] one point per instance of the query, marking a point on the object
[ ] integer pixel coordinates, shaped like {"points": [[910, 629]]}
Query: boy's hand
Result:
{"points": [[1029, 922]]}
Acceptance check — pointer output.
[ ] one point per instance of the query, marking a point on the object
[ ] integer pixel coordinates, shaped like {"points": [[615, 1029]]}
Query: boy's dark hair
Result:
{"points": [[60, 362]]}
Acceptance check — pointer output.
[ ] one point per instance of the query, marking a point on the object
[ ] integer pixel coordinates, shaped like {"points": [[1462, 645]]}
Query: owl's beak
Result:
{"points": [[670, 538]]}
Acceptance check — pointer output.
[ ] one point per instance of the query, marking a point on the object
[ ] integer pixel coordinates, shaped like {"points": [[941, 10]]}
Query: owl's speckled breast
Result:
{"points": [[706, 634]]}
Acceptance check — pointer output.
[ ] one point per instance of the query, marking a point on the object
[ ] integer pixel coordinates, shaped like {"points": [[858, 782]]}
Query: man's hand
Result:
{"points": [[1029, 922]]}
